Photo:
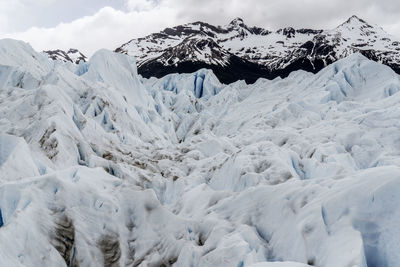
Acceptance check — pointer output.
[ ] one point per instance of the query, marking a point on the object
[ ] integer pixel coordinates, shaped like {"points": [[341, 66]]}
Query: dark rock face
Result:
{"points": [[238, 69], [288, 32], [63, 240], [109, 246], [72, 55]]}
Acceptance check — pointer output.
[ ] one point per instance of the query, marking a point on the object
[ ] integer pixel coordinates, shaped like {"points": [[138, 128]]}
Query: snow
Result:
{"points": [[278, 264], [99, 166], [274, 49], [235, 38], [20, 58], [72, 56], [15, 161]]}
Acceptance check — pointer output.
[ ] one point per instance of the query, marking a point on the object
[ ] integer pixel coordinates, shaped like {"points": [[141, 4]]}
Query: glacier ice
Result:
{"points": [[99, 166]]}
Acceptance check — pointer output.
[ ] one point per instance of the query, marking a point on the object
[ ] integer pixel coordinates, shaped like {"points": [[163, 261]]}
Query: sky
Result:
{"points": [[89, 25]]}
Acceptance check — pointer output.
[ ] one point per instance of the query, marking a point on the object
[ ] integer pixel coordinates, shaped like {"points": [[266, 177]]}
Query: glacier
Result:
{"points": [[101, 167]]}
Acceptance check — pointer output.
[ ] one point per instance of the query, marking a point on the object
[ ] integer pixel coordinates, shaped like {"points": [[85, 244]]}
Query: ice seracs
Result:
{"points": [[99, 166], [21, 66], [16, 162]]}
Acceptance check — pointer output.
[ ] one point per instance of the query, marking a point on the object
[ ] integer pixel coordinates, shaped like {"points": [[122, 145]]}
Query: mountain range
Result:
{"points": [[240, 52]]}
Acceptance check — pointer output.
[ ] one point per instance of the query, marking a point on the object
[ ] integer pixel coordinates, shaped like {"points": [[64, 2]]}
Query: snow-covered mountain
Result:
{"points": [[99, 167], [237, 51], [72, 55]]}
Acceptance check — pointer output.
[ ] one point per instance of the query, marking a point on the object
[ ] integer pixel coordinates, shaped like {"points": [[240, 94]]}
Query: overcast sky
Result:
{"points": [[93, 24]]}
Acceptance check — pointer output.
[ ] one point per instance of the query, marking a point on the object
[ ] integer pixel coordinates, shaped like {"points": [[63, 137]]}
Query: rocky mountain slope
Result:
{"points": [[99, 167], [237, 51], [72, 55]]}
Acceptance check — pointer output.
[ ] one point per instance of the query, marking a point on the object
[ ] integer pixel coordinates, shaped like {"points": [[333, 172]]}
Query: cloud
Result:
{"points": [[275, 14], [141, 5], [111, 26], [20, 15], [108, 28]]}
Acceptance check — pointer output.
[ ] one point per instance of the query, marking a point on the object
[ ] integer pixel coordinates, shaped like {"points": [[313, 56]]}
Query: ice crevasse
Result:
{"points": [[99, 166]]}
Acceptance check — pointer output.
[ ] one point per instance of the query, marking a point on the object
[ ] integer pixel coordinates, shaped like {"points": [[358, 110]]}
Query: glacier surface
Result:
{"points": [[101, 167]]}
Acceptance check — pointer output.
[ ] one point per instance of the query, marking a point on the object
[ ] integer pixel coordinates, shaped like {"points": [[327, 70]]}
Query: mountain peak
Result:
{"points": [[73, 50], [356, 23], [253, 52], [354, 20], [237, 22]]}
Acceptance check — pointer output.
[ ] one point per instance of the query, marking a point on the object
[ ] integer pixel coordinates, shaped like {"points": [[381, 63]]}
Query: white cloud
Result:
{"points": [[141, 5], [108, 28], [8, 7]]}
